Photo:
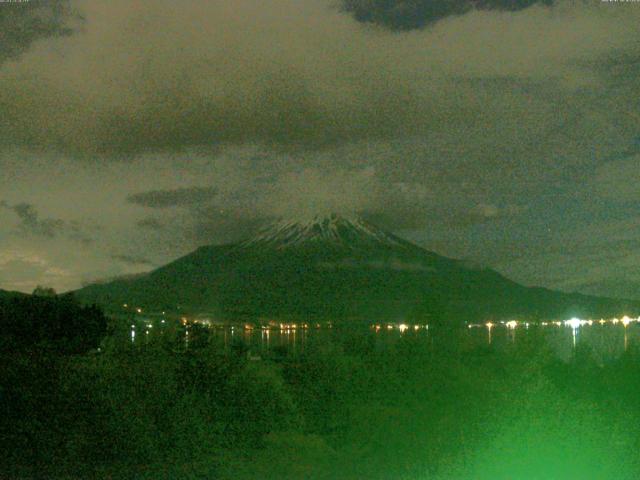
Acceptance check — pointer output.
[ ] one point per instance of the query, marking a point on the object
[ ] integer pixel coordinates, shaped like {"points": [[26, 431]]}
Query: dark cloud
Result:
{"points": [[164, 76], [150, 223], [22, 23], [76, 232], [31, 224], [132, 260], [178, 197], [215, 225], [412, 14], [399, 214]]}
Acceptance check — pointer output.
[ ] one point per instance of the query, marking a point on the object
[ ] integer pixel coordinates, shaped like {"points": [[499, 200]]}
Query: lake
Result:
{"points": [[605, 340]]}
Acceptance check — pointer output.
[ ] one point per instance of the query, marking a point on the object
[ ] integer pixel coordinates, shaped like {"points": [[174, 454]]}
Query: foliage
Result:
{"points": [[56, 322], [341, 409]]}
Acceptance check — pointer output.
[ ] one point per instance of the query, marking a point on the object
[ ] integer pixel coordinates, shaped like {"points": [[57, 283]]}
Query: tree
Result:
{"points": [[41, 291]]}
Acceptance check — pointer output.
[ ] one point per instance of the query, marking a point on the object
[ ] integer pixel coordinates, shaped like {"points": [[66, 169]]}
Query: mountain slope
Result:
{"points": [[335, 267]]}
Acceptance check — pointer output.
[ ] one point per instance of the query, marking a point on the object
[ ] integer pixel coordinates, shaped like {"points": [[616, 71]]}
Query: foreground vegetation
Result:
{"points": [[343, 409]]}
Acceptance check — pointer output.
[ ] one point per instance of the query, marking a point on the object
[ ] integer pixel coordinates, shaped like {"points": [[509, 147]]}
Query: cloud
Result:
{"points": [[31, 224], [247, 202], [310, 191], [178, 197], [411, 14], [299, 74], [23, 23], [24, 270], [132, 260], [150, 223], [618, 180], [210, 226]]}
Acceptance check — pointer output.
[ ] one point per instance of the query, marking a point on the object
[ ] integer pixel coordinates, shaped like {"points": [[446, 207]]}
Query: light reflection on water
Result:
{"points": [[605, 342]]}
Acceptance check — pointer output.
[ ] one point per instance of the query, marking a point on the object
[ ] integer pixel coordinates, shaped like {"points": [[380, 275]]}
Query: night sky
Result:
{"points": [[506, 133]]}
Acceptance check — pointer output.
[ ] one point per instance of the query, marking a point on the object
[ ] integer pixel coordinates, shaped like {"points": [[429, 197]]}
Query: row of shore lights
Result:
{"points": [[304, 326], [248, 326], [573, 323], [402, 327]]}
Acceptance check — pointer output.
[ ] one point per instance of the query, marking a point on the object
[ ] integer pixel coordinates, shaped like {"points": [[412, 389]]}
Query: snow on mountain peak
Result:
{"points": [[333, 229]]}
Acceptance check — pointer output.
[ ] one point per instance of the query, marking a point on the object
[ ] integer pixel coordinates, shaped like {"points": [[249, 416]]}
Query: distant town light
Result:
{"points": [[574, 323], [512, 324]]}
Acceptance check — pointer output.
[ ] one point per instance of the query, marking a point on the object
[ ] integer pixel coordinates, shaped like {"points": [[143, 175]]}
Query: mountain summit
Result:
{"points": [[339, 268], [328, 230]]}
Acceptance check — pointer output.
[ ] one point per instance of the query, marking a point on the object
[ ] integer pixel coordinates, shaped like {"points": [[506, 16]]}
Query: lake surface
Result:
{"points": [[606, 341]]}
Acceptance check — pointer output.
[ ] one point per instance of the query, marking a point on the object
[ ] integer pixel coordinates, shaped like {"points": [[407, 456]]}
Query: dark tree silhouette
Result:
{"points": [[56, 323]]}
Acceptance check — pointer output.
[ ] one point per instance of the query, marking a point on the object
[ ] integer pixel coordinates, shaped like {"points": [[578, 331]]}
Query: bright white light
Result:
{"points": [[512, 324], [626, 321], [574, 323], [402, 327]]}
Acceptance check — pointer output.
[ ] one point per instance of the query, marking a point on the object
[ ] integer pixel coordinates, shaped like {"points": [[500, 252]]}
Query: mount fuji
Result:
{"points": [[339, 268]]}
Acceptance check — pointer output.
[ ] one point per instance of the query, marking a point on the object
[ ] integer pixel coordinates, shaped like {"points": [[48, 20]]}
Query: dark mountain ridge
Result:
{"points": [[335, 267]]}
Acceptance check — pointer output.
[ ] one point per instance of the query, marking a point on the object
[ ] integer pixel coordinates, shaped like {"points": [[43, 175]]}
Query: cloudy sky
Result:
{"points": [[505, 132]]}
